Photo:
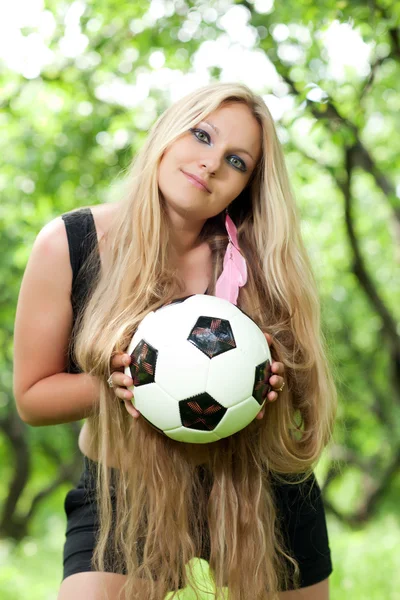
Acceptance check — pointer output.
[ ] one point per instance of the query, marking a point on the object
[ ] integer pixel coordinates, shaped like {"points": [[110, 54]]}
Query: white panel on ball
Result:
{"points": [[238, 417], [253, 345], [138, 336], [157, 406], [229, 390], [193, 436], [167, 324], [180, 320], [193, 370]]}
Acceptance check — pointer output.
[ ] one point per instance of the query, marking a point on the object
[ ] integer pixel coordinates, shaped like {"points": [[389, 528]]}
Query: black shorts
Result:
{"points": [[300, 509], [82, 525]]}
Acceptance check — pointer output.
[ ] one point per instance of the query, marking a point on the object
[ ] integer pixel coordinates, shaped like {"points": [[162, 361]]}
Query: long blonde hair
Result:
{"points": [[160, 494]]}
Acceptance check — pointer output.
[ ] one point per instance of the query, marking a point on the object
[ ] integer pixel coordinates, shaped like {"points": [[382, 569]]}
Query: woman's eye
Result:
{"points": [[241, 163], [200, 131], [197, 132]]}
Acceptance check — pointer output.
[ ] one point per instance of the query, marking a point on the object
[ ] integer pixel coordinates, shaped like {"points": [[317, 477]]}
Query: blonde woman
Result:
{"points": [[146, 505]]}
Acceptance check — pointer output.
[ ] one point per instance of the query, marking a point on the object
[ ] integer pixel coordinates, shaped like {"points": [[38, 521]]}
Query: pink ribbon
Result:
{"points": [[234, 274]]}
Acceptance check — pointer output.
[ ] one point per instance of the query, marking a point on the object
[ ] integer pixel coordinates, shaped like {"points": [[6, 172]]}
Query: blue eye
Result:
{"points": [[201, 131]]}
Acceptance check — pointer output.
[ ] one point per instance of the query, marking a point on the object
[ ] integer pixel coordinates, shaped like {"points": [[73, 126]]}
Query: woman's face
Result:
{"points": [[224, 159]]}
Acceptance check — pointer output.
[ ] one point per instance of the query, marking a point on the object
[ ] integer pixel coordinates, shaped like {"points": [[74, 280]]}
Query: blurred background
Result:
{"points": [[80, 85]]}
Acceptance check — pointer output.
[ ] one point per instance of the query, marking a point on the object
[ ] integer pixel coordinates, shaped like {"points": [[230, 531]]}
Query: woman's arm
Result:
{"points": [[45, 394], [318, 591]]}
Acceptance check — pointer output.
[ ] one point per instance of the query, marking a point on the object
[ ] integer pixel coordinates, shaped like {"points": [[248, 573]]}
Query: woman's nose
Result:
{"points": [[212, 162]]}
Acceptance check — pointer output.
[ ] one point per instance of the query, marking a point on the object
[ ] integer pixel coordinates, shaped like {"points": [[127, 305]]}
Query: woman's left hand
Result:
{"points": [[276, 380]]}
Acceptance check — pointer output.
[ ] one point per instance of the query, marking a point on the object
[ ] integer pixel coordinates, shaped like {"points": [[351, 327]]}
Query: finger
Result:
{"points": [[119, 379], [131, 409], [276, 381], [272, 396], [278, 367], [269, 338], [123, 393], [120, 360]]}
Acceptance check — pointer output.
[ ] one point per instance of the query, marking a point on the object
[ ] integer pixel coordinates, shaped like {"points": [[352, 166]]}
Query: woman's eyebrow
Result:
{"points": [[217, 131]]}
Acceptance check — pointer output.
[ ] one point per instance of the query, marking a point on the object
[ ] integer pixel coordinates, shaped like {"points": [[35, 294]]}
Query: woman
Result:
{"points": [[146, 505]]}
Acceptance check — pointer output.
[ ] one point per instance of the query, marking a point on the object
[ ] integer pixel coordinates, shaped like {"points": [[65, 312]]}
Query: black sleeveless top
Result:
{"points": [[82, 241]]}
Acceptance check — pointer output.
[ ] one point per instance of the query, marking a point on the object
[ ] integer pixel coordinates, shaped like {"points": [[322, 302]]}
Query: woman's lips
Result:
{"points": [[200, 186]]}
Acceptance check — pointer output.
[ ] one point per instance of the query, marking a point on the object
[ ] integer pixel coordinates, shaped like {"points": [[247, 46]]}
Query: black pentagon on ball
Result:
{"points": [[212, 336], [261, 381], [143, 364], [201, 412]]}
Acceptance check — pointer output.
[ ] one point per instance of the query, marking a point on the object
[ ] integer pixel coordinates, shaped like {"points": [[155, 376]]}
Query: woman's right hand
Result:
{"points": [[122, 382]]}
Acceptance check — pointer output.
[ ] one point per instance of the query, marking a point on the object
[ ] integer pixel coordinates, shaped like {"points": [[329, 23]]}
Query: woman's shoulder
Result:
{"points": [[103, 215], [52, 240]]}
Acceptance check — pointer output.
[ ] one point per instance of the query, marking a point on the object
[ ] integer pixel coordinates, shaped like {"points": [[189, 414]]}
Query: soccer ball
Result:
{"points": [[200, 368]]}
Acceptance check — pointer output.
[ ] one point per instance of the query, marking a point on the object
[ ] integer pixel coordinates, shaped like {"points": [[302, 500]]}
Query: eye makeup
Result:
{"points": [[197, 132]]}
